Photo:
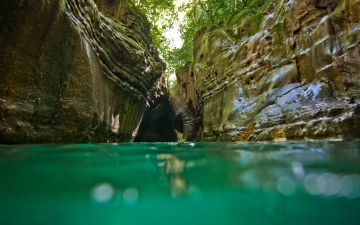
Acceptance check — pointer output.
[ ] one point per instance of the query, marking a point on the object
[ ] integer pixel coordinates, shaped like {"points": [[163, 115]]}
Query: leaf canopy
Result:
{"points": [[165, 15]]}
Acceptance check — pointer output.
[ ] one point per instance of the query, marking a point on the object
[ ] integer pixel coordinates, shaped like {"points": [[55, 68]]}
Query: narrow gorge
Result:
{"points": [[75, 71], [180, 112]]}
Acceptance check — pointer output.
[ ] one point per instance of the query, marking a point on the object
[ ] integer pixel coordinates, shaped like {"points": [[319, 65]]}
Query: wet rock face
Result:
{"points": [[186, 122], [73, 71], [293, 76]]}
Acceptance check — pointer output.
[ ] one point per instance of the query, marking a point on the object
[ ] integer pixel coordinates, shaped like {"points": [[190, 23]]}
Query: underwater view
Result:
{"points": [[181, 183], [199, 112]]}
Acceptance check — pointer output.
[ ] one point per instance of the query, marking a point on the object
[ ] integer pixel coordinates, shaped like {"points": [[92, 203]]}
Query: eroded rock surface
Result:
{"points": [[73, 71], [291, 73], [186, 118]]}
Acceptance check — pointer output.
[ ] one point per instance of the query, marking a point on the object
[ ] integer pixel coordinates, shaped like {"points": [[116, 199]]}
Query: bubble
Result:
{"points": [[102, 192], [286, 185], [346, 186], [298, 170], [311, 185], [192, 144], [329, 184], [334, 185], [131, 196], [355, 193], [322, 183]]}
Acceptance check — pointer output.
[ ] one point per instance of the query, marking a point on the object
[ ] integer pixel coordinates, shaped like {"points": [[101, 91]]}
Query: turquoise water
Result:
{"points": [[181, 183]]}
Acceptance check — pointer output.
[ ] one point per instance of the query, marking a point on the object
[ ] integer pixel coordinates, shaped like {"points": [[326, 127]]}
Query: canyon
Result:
{"points": [[87, 71]]}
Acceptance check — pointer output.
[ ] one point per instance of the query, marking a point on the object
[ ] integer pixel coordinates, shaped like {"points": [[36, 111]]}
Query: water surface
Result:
{"points": [[181, 183]]}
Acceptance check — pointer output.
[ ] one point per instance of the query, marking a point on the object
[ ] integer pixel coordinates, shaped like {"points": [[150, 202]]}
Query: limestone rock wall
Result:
{"points": [[186, 119], [73, 71], [293, 73]]}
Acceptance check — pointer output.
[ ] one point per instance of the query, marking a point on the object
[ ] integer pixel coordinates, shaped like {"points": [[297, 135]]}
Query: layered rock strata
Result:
{"points": [[74, 71], [291, 73]]}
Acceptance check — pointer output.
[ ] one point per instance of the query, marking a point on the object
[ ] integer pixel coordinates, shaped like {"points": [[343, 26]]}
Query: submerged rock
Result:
{"points": [[74, 71], [291, 73]]}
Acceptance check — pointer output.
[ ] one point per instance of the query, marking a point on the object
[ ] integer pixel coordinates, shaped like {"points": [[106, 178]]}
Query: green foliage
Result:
{"points": [[245, 24], [163, 14]]}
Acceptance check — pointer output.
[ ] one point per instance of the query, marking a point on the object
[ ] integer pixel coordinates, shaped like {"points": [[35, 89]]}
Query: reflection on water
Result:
{"points": [[174, 168], [181, 183]]}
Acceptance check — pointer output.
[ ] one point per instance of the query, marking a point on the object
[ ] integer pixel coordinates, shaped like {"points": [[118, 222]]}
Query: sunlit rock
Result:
{"points": [[290, 73], [183, 103]]}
